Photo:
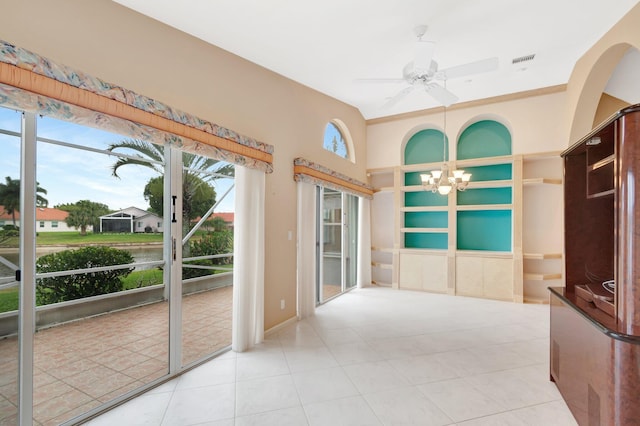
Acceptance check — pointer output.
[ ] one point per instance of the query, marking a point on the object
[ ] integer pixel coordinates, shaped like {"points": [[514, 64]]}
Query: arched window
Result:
{"points": [[335, 141]]}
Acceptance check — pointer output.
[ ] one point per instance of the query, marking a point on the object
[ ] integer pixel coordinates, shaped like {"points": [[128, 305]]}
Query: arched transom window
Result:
{"points": [[335, 141]]}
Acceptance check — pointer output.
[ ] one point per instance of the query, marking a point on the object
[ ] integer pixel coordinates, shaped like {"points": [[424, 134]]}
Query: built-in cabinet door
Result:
{"points": [[490, 277], [423, 272]]}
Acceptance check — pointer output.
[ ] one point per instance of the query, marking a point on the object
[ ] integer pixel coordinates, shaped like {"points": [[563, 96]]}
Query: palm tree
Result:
{"points": [[10, 196], [146, 151], [194, 170]]}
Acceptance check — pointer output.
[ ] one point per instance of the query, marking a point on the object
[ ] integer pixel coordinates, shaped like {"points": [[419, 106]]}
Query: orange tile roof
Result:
{"points": [[42, 213], [226, 216]]}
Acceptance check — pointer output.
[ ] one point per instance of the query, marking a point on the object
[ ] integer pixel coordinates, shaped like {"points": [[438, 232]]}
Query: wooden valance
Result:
{"points": [[29, 72], [310, 172]]}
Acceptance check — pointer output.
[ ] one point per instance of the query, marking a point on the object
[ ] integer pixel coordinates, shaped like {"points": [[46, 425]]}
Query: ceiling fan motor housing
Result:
{"points": [[414, 75]]}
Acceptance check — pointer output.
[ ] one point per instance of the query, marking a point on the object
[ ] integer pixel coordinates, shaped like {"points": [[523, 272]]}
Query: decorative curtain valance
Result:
{"points": [[59, 91], [310, 172]]}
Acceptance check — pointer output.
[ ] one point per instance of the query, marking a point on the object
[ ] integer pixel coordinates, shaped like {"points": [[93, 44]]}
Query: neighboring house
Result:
{"points": [[131, 219], [48, 219], [226, 216]]}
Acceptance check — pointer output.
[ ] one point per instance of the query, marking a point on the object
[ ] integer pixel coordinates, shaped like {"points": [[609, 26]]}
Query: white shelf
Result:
{"points": [[541, 256], [412, 188], [479, 207], [541, 181], [541, 277], [422, 167], [384, 189], [380, 171], [422, 230], [486, 161], [382, 249], [382, 265], [425, 209], [489, 184], [537, 300]]}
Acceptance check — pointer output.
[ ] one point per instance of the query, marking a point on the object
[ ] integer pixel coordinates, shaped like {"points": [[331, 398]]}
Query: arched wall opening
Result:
{"points": [[592, 88]]}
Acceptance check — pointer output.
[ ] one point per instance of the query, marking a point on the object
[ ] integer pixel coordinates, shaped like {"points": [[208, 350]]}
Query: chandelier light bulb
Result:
{"points": [[444, 189]]}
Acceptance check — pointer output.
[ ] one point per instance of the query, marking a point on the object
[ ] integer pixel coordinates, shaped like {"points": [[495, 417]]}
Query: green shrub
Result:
{"points": [[218, 242], [77, 286]]}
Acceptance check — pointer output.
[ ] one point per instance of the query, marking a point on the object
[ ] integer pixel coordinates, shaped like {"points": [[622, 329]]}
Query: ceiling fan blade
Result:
{"points": [[484, 65], [423, 55], [380, 80], [398, 97], [441, 94]]}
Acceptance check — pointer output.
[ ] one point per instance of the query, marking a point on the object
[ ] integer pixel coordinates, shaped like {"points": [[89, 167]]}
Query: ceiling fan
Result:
{"points": [[423, 72]]}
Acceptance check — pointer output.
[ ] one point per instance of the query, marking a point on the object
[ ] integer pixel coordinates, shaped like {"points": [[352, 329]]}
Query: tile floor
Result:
{"points": [[82, 364], [374, 356]]}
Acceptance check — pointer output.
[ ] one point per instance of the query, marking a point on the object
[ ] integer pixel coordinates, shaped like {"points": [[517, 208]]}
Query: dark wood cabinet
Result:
{"points": [[595, 334]]}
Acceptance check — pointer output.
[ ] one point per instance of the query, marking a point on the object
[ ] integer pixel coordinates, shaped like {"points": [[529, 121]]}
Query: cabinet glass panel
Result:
{"points": [[484, 230], [485, 196], [424, 198], [426, 240], [426, 219], [492, 172]]}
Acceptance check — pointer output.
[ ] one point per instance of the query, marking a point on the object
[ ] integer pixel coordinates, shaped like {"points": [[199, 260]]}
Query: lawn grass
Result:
{"points": [[74, 238], [9, 299], [144, 278]]}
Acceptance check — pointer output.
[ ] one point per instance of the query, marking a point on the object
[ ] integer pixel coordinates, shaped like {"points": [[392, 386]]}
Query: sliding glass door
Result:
{"points": [[98, 297], [336, 242], [10, 249]]}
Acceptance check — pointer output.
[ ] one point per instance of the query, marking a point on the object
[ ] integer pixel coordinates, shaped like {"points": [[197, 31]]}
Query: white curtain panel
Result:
{"points": [[364, 242], [306, 250], [248, 270]]}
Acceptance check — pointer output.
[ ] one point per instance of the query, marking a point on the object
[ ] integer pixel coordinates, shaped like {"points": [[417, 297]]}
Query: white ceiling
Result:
{"points": [[329, 44]]}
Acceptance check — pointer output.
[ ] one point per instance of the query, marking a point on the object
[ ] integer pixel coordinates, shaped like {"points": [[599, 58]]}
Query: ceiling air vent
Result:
{"points": [[525, 58]]}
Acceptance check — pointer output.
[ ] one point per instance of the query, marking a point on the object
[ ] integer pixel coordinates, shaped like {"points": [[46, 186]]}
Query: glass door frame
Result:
{"points": [[348, 249]]}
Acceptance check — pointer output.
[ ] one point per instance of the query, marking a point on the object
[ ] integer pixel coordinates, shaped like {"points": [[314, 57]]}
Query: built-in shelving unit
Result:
{"points": [[471, 243], [542, 225], [383, 251]]}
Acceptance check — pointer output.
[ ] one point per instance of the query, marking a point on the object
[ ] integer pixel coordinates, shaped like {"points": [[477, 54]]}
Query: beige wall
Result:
{"points": [[607, 106], [592, 71], [539, 122], [533, 122], [120, 46]]}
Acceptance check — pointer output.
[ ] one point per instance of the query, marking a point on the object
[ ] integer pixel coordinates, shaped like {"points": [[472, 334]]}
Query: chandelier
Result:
{"points": [[442, 181]]}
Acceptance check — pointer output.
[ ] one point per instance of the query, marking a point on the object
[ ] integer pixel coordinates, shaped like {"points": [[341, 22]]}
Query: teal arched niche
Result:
{"points": [[486, 138], [426, 146], [489, 229]]}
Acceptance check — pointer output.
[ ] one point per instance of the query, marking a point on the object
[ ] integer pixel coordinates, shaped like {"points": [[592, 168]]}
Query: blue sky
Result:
{"points": [[332, 133], [70, 174]]}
